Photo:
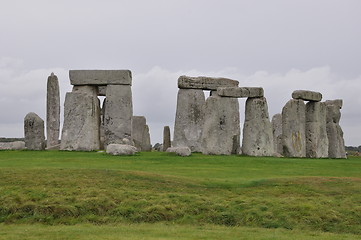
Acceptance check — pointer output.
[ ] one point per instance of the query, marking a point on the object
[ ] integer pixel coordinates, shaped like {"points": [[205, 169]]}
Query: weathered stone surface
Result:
{"points": [[102, 90], [118, 113], [240, 92], [221, 131], [189, 119], [307, 95], [166, 138], [18, 145], [257, 130], [316, 133], [180, 151], [34, 132], [52, 111], [205, 83], [100, 77], [277, 133], [147, 146], [336, 143], [140, 133], [121, 149], [294, 128], [81, 120]]}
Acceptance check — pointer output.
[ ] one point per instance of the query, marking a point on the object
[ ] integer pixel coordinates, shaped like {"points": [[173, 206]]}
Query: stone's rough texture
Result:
{"points": [[118, 114], [180, 151], [102, 90], [140, 133], [337, 102], [307, 95], [294, 128], [336, 147], [277, 133], [100, 77], [240, 92], [316, 133], [221, 131], [189, 119], [158, 147], [81, 120], [205, 83], [257, 130], [52, 111], [18, 145], [121, 149], [34, 132], [166, 138]]}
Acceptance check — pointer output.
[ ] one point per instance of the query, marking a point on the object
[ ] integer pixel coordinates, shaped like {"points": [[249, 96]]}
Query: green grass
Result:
{"points": [[224, 194]]}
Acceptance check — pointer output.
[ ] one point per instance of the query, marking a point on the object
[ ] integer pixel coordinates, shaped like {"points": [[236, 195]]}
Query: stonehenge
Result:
{"points": [[166, 138], [277, 133], [34, 132], [140, 133], [52, 111]]}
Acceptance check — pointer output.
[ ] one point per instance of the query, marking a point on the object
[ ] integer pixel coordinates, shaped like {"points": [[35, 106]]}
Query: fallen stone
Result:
{"points": [[121, 149], [307, 95], [52, 111], [18, 145], [34, 132], [100, 77], [205, 83], [294, 129], [189, 119], [180, 151], [336, 147], [166, 138], [316, 133], [240, 92], [257, 129], [277, 133]]}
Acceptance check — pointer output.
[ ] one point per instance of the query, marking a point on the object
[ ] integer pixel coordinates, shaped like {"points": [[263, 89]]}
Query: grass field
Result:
{"points": [[62, 195]]}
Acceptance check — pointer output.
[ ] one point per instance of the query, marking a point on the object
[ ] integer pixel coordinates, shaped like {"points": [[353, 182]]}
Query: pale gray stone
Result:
{"points": [[147, 146], [100, 77], [140, 133], [221, 131], [121, 149], [17, 145], [34, 132], [294, 128], [81, 120], [205, 83], [102, 90], [257, 130], [307, 95], [180, 151], [336, 147], [166, 138], [240, 92], [52, 111], [277, 133], [189, 119], [118, 113], [316, 133], [337, 102]]}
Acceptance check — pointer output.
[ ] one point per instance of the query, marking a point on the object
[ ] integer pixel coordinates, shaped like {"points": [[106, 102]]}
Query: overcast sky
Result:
{"points": [[280, 45]]}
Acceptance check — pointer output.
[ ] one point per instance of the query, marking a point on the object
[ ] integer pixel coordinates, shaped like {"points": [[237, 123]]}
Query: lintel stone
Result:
{"points": [[240, 92], [100, 77], [307, 95], [205, 83]]}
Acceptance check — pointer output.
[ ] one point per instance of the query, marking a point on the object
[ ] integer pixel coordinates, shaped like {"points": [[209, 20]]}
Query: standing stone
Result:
{"points": [[294, 129], [166, 138], [118, 114], [221, 131], [189, 119], [81, 120], [146, 145], [52, 111], [257, 130], [277, 133], [316, 133], [336, 147], [140, 133], [34, 132]]}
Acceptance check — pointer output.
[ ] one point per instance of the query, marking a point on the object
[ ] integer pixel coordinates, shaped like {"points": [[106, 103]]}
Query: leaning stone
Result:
{"points": [[221, 131], [52, 111], [121, 149], [189, 119], [294, 129], [257, 130], [316, 133], [18, 145], [34, 132], [336, 147], [180, 151], [307, 95], [100, 77], [166, 138], [205, 83], [118, 114], [81, 120], [277, 133], [240, 92]]}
